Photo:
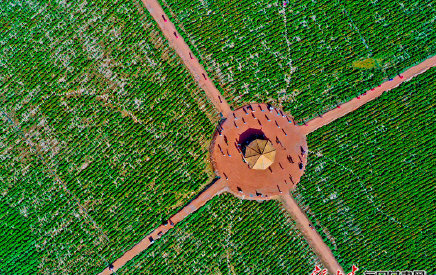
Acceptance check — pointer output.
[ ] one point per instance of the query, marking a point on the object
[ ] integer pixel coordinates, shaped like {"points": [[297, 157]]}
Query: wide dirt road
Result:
{"points": [[188, 58], [215, 189], [357, 102], [313, 238]]}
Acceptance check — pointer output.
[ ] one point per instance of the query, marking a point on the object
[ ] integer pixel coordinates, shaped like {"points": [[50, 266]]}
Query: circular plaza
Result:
{"points": [[259, 151]]}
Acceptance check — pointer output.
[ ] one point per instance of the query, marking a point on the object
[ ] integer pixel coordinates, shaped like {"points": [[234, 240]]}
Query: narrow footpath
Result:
{"points": [[188, 58], [312, 237], [216, 188], [372, 94]]}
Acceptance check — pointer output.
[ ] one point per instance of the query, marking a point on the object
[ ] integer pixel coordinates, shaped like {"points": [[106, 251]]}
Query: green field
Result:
{"points": [[42, 228], [370, 181], [308, 55], [104, 134], [229, 236], [112, 112]]}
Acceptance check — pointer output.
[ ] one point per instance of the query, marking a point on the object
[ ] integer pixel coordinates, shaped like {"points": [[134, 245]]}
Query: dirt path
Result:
{"points": [[217, 188], [188, 58], [200, 75], [313, 238], [357, 102]]}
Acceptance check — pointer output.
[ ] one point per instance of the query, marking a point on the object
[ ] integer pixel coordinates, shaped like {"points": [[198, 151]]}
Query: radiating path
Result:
{"points": [[313, 238], [215, 189], [188, 58], [220, 186], [357, 102]]}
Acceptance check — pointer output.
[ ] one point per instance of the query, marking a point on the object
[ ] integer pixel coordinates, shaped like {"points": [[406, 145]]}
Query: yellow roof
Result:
{"points": [[260, 154]]}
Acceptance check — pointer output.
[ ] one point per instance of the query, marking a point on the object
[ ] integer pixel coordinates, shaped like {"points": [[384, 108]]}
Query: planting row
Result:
{"points": [[111, 110], [304, 56], [229, 236], [369, 182]]}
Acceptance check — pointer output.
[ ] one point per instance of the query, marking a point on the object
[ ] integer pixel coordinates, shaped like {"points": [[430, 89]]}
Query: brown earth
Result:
{"points": [[369, 95]]}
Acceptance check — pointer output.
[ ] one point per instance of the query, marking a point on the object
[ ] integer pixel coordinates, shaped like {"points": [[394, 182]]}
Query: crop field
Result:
{"points": [[104, 134], [229, 236], [42, 228], [369, 186], [111, 111], [304, 56]]}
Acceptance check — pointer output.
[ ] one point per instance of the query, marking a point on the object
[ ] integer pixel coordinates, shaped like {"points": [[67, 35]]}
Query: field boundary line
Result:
{"points": [[182, 49], [367, 96], [215, 188]]}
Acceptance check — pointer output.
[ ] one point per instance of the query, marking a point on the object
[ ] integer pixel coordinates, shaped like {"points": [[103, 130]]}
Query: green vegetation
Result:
{"points": [[104, 133], [113, 113], [42, 228], [302, 56], [18, 247], [370, 181], [400, 33], [229, 236]]}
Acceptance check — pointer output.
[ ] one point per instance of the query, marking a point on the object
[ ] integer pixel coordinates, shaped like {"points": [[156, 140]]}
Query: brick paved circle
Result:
{"points": [[250, 122]]}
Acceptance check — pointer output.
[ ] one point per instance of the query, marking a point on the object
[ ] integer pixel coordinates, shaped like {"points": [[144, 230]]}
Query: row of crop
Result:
{"points": [[300, 78], [374, 194], [323, 44], [18, 247], [132, 146], [379, 24], [38, 217], [128, 176], [229, 234]]}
